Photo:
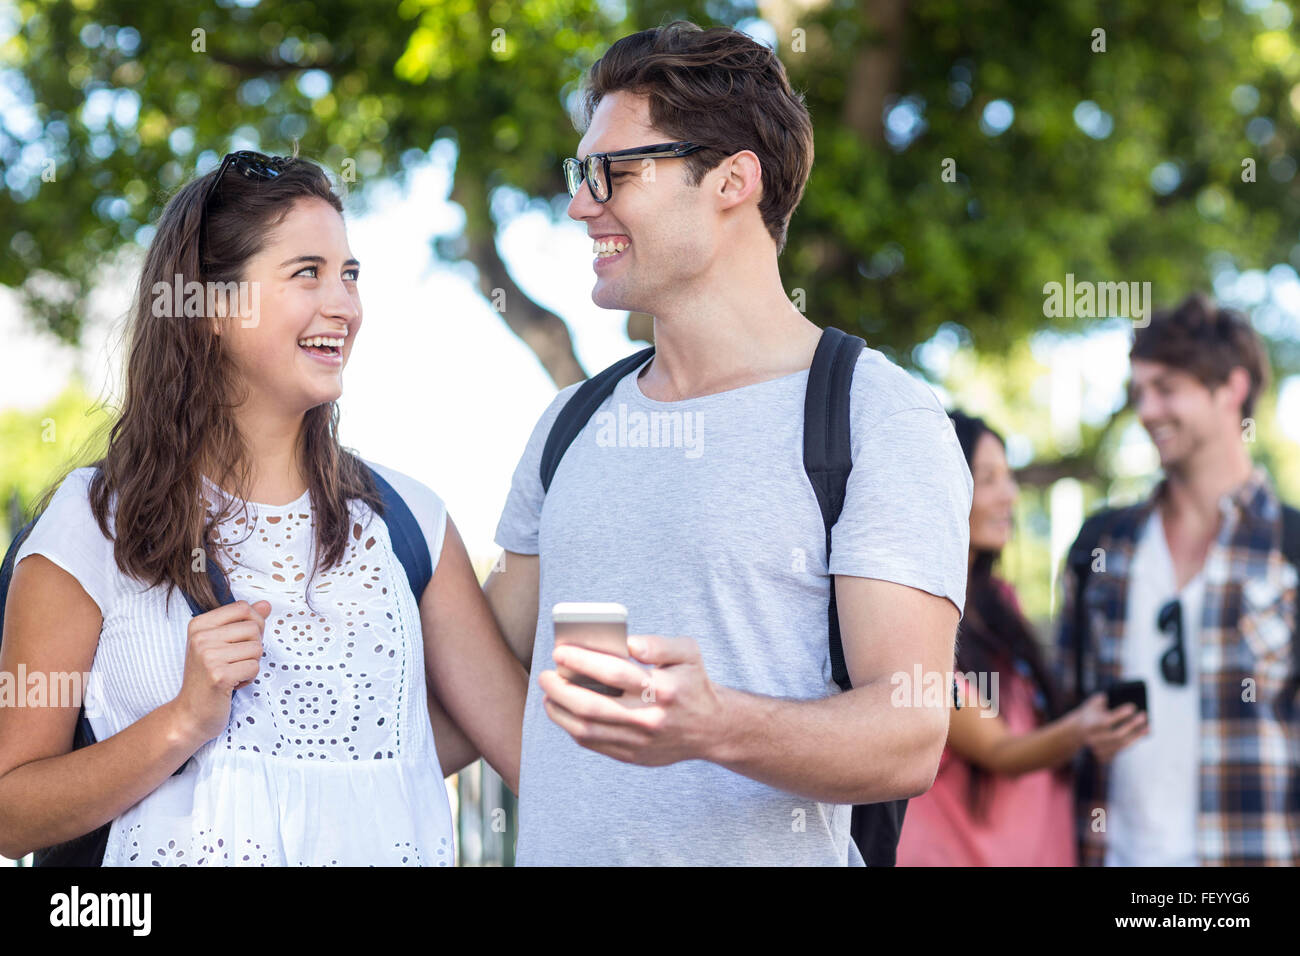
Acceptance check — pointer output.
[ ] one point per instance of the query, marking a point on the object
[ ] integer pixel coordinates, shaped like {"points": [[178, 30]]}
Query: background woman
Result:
{"points": [[1002, 796]]}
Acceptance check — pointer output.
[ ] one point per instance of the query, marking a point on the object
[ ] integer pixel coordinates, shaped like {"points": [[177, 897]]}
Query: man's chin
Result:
{"points": [[608, 296], [1172, 459]]}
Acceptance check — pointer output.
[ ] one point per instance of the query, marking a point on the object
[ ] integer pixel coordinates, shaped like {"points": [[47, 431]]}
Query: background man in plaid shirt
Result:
{"points": [[1192, 592]]}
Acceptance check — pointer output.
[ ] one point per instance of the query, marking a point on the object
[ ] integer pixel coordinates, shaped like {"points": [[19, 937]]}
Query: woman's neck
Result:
{"points": [[272, 443]]}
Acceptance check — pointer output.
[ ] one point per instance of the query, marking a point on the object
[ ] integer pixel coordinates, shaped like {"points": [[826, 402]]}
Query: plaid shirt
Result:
{"points": [[1249, 811]]}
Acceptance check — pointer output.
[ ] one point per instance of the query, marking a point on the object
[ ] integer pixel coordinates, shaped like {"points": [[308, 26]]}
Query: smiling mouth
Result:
{"points": [[610, 247], [322, 346]]}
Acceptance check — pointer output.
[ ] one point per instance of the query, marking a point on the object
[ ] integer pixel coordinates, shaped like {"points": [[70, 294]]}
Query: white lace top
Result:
{"points": [[329, 757]]}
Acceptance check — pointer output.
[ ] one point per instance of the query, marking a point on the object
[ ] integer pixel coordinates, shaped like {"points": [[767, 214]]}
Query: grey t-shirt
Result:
{"points": [[698, 516]]}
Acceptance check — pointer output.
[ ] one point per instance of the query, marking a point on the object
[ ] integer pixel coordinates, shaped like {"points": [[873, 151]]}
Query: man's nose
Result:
{"points": [[1145, 407], [582, 205]]}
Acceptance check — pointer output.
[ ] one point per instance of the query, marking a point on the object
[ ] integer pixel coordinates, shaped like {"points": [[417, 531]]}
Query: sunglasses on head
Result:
{"points": [[250, 165]]}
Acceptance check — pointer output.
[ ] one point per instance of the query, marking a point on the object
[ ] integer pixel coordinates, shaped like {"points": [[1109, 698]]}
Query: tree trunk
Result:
{"points": [[875, 71], [539, 328]]}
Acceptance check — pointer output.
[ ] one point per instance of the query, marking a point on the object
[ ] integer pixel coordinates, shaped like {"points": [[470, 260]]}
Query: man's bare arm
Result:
{"points": [[512, 593], [855, 747]]}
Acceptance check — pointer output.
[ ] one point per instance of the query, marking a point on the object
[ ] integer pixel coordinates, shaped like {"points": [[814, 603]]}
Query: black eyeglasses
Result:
{"points": [[251, 165], [595, 168], [1173, 662]]}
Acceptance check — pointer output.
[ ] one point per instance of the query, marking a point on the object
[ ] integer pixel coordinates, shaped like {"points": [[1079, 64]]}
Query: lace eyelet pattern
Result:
{"points": [[328, 758]]}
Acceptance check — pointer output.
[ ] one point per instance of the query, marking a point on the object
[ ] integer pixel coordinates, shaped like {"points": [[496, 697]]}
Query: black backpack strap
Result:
{"points": [[1291, 535], [827, 453], [1107, 521], [828, 459], [578, 410], [1079, 561]]}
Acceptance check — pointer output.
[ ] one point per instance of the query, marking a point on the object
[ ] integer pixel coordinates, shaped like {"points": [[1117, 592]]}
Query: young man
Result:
{"points": [[1196, 598], [734, 745]]}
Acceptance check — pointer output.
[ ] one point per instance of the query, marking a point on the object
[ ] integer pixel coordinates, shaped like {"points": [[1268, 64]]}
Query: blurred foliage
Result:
{"points": [[130, 99], [1067, 186], [40, 446], [1122, 165], [1116, 165]]}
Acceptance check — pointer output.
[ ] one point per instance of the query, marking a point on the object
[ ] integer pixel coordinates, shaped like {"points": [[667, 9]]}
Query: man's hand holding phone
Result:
{"points": [[614, 706], [599, 627]]}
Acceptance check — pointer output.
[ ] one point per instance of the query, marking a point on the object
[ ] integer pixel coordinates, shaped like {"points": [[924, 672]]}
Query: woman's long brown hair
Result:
{"points": [[177, 421]]}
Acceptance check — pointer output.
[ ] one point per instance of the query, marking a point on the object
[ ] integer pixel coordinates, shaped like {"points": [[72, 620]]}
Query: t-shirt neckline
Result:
{"points": [[224, 495], [635, 379]]}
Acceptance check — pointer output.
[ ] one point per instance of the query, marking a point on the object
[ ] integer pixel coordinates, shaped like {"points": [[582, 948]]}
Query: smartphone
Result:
{"points": [[1128, 692], [595, 626]]}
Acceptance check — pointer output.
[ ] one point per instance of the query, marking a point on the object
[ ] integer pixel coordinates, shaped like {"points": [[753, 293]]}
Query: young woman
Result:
{"points": [[1003, 796], [305, 713]]}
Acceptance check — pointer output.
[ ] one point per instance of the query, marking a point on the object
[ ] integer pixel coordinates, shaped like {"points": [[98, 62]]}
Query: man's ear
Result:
{"points": [[742, 178], [1238, 386]]}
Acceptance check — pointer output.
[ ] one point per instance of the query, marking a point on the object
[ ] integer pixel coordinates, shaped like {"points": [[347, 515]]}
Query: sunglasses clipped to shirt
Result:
{"points": [[595, 168], [1173, 662]]}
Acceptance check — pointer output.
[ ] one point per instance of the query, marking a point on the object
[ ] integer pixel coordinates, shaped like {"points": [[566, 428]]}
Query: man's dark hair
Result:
{"points": [[1200, 337], [720, 88]]}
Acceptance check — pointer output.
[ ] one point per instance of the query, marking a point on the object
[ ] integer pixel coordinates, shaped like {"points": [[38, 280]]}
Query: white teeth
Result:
{"points": [[319, 340], [611, 247]]}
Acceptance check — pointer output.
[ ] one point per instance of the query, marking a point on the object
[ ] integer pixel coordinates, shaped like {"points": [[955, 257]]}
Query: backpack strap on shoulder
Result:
{"points": [[1079, 559], [578, 410], [1291, 535], [1080, 563], [408, 539], [828, 460], [220, 588], [828, 453]]}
